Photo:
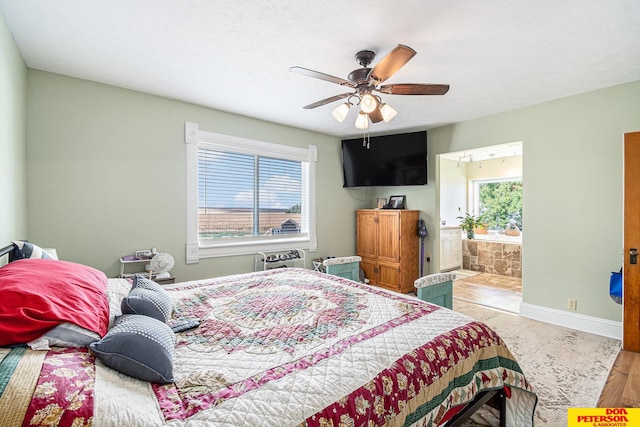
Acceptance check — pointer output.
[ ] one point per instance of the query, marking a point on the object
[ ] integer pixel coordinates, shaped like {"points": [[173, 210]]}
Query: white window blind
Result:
{"points": [[241, 195], [245, 195]]}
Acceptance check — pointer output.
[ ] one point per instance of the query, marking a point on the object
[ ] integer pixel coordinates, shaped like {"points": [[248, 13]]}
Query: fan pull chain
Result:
{"points": [[366, 136], [366, 139]]}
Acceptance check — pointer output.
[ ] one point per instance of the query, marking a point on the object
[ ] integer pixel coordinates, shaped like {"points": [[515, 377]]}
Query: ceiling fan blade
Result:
{"points": [[376, 115], [414, 89], [391, 63], [327, 101], [322, 76]]}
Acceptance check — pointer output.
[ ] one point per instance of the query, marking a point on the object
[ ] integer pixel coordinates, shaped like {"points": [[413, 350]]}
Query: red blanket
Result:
{"points": [[38, 294]]}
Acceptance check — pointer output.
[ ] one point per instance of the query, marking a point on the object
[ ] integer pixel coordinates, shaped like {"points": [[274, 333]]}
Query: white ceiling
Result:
{"points": [[234, 55]]}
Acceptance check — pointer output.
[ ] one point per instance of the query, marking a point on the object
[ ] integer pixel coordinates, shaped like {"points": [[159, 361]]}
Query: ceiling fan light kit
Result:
{"points": [[388, 112], [366, 80], [341, 111], [362, 121], [368, 103]]}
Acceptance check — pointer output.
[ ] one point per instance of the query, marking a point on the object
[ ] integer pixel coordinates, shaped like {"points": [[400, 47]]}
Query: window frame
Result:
{"points": [[196, 138], [474, 195]]}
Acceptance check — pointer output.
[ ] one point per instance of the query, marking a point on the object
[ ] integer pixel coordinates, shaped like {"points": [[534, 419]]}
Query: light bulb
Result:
{"points": [[368, 103]]}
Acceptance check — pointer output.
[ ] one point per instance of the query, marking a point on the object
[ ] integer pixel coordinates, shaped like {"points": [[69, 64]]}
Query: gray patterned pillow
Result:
{"points": [[148, 298], [28, 250], [138, 346]]}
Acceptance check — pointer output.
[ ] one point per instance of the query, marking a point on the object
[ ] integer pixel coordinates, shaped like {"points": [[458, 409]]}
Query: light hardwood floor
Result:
{"points": [[622, 388]]}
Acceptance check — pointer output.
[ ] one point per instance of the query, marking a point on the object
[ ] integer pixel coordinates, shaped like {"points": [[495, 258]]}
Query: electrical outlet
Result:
{"points": [[572, 304]]}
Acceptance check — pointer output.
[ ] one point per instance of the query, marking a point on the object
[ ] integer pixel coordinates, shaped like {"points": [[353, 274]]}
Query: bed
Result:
{"points": [[284, 347]]}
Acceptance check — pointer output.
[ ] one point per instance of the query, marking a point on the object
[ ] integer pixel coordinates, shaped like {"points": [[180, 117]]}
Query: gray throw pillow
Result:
{"points": [[24, 250], [138, 346], [69, 335], [147, 298]]}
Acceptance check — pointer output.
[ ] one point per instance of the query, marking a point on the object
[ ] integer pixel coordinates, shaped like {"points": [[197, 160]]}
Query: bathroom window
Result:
{"points": [[498, 201]]}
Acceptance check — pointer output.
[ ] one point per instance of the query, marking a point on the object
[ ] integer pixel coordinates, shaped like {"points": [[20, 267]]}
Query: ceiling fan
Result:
{"points": [[365, 81]]}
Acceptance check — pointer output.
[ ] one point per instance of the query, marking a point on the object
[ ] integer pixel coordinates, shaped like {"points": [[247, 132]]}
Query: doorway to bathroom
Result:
{"points": [[488, 266]]}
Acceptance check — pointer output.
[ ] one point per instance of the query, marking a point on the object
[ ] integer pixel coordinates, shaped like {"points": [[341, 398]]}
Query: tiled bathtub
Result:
{"points": [[493, 257], [498, 237]]}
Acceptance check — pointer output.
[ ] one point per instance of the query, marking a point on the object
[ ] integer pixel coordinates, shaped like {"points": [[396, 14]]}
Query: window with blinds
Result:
{"points": [[245, 195], [241, 196]]}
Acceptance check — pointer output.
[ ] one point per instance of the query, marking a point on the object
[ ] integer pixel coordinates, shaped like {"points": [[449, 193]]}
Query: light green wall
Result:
{"points": [[572, 176], [106, 173], [13, 140]]}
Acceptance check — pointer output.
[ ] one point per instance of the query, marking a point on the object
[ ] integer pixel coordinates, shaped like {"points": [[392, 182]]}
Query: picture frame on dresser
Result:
{"points": [[397, 202]]}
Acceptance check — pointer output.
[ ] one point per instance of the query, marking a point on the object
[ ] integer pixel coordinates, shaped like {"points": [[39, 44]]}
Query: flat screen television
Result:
{"points": [[390, 160]]}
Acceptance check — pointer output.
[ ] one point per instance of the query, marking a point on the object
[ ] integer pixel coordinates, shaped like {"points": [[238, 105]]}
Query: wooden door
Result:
{"points": [[366, 233], [631, 287], [389, 236]]}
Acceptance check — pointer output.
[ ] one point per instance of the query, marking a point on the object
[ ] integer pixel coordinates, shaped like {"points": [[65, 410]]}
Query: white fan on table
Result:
{"points": [[161, 264]]}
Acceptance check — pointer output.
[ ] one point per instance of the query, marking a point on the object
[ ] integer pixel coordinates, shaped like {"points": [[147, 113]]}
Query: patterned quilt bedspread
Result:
{"points": [[285, 347]]}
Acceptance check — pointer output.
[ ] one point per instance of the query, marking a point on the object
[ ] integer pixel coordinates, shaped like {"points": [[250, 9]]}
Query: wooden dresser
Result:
{"points": [[387, 242]]}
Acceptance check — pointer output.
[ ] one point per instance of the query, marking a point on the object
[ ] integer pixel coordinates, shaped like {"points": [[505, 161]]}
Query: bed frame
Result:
{"points": [[8, 251], [495, 398]]}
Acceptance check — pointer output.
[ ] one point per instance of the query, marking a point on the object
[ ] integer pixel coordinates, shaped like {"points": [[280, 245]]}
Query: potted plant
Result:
{"points": [[469, 223], [482, 229]]}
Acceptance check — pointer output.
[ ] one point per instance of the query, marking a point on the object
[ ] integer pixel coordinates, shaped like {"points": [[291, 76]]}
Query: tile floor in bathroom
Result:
{"points": [[492, 290]]}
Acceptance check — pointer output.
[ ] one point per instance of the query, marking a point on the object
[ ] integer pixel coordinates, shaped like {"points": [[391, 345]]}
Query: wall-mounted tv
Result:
{"points": [[390, 160]]}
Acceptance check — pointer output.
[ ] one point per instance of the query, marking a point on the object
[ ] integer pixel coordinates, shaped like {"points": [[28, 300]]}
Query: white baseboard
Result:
{"points": [[580, 322]]}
